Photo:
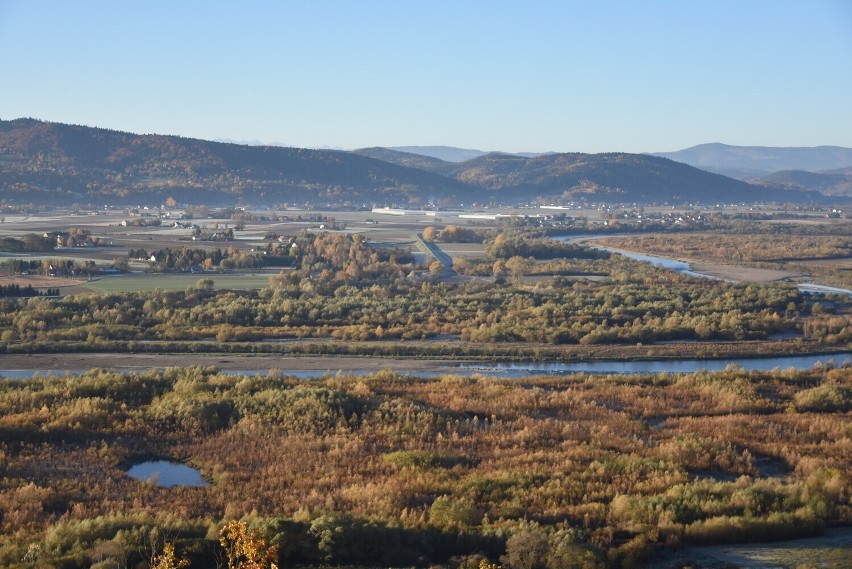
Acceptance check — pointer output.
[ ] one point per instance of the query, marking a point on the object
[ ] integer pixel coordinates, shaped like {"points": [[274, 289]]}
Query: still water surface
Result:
{"points": [[167, 474]]}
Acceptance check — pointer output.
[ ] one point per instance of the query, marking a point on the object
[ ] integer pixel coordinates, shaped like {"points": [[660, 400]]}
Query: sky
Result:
{"points": [[535, 76]]}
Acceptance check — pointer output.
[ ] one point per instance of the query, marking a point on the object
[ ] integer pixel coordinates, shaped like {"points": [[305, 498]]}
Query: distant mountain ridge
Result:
{"points": [[745, 162], [445, 153], [45, 162], [455, 154], [830, 183]]}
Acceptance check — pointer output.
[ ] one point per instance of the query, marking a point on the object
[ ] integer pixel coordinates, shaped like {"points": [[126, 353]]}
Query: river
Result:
{"points": [[289, 367], [684, 267]]}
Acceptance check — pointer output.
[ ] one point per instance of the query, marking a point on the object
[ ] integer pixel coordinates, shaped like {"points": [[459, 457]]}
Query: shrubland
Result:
{"points": [[393, 470], [398, 470]]}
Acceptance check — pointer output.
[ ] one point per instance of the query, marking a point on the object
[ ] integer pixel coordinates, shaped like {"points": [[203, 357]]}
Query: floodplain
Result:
{"points": [[336, 379]]}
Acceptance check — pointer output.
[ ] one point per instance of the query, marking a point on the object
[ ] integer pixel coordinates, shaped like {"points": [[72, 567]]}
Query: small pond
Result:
{"points": [[167, 474]]}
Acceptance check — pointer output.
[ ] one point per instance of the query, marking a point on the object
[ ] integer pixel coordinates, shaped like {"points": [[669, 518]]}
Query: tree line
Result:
{"points": [[16, 290]]}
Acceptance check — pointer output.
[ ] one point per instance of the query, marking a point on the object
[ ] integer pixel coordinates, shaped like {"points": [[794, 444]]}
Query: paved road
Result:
{"points": [[436, 252]]}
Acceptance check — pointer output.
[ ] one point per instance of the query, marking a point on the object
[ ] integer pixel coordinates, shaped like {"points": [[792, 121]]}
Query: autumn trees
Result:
{"points": [[246, 549], [27, 243], [323, 306], [391, 470]]}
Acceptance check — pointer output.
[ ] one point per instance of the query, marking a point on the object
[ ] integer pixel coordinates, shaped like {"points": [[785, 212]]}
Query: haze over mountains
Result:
{"points": [[824, 169], [43, 162], [454, 154], [757, 161]]}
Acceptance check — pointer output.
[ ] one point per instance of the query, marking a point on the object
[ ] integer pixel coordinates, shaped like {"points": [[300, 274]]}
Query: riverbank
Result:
{"points": [[228, 362], [740, 273]]}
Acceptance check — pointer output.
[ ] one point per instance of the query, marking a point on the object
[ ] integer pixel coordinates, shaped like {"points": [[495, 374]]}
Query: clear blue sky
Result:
{"points": [[493, 75]]}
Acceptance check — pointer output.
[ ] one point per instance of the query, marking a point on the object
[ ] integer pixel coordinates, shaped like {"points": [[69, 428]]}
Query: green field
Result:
{"points": [[135, 282]]}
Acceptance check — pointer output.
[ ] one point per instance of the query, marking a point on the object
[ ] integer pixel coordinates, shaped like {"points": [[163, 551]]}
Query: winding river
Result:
{"points": [[684, 267]]}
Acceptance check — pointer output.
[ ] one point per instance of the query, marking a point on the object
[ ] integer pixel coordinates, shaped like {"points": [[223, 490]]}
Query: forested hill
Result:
{"points": [[611, 177], [614, 177], [410, 160], [43, 162]]}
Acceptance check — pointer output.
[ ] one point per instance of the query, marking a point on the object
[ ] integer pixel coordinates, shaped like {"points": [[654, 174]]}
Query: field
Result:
{"points": [[139, 282]]}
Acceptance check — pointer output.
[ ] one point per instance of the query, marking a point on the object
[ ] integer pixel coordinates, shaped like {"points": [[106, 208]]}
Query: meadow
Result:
{"points": [[173, 282]]}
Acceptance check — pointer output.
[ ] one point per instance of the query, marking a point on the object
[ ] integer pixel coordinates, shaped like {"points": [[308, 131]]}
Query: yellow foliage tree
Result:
{"points": [[246, 549], [168, 559]]}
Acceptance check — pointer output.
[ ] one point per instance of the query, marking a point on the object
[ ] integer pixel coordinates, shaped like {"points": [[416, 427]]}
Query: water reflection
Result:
{"points": [[167, 474]]}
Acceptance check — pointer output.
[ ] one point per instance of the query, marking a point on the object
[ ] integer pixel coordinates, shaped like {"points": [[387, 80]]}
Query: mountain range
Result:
{"points": [[611, 177], [748, 162], [45, 162], [824, 169]]}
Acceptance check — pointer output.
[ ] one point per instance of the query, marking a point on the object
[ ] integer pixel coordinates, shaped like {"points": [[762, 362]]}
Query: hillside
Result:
{"points": [[408, 159], [52, 163], [756, 161], [612, 177], [830, 183], [43, 162]]}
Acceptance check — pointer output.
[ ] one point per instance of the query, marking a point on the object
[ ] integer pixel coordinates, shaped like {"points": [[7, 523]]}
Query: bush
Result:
{"points": [[825, 398], [454, 512]]}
